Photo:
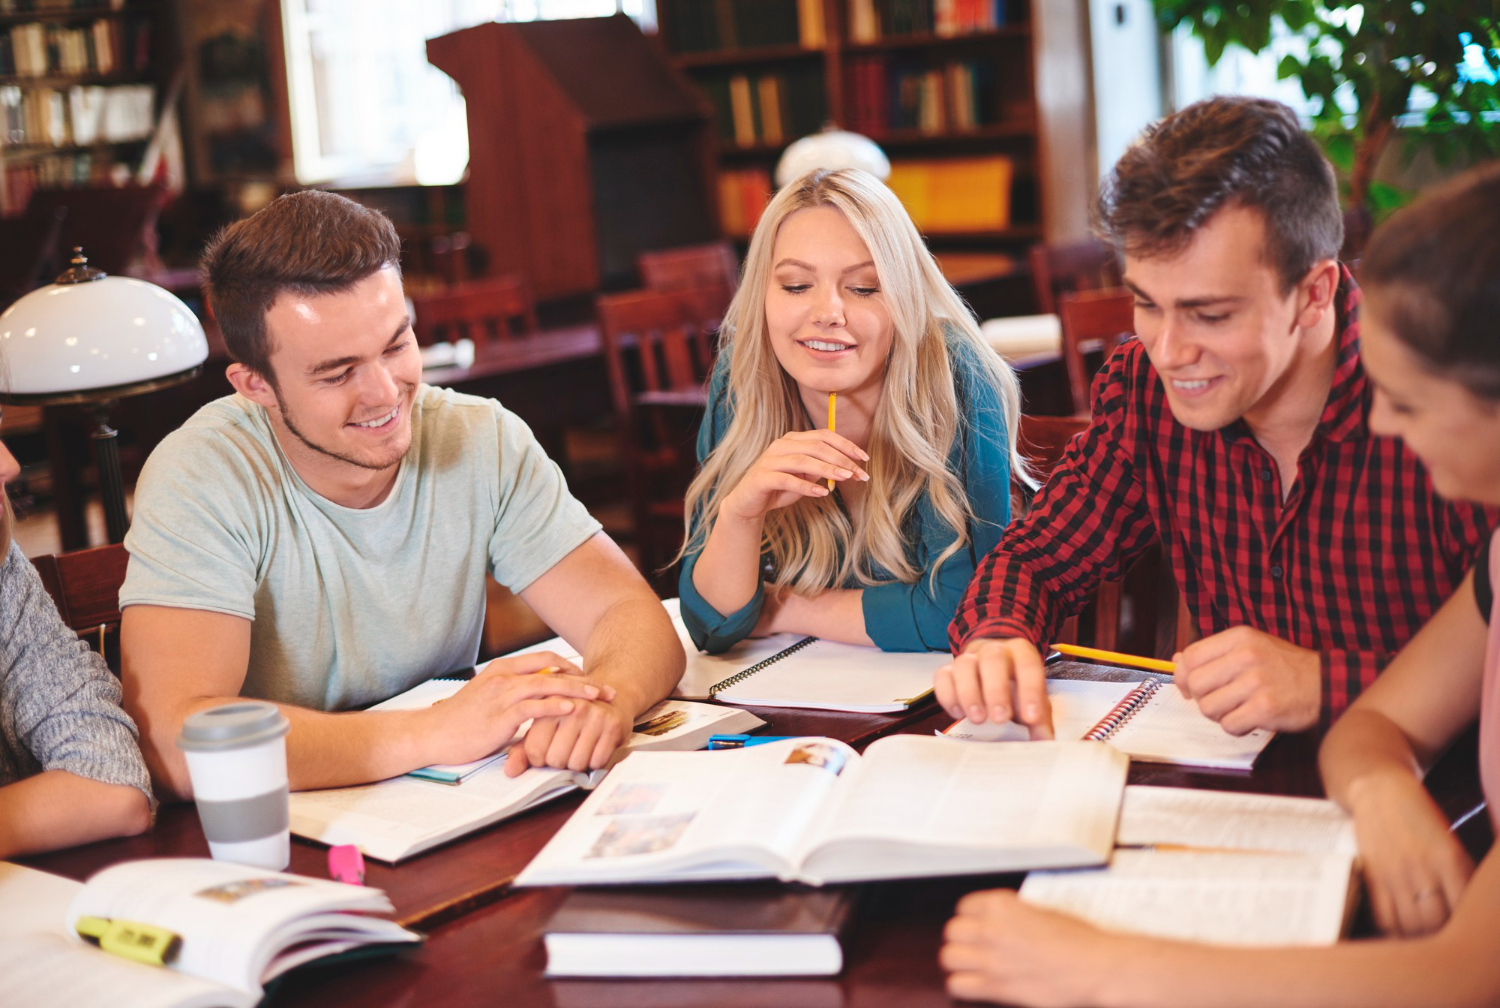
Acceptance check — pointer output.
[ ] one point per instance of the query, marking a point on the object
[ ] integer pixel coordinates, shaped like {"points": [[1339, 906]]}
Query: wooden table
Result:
{"points": [[484, 944]]}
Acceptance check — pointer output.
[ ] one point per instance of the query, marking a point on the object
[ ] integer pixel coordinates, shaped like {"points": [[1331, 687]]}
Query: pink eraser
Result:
{"points": [[346, 864]]}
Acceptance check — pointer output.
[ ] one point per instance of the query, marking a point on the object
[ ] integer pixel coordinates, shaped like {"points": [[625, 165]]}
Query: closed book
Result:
{"points": [[714, 930]]}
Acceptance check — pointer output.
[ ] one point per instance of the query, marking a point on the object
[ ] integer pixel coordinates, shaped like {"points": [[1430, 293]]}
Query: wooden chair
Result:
{"points": [[1092, 322], [489, 312], [690, 266], [1065, 269], [659, 349], [85, 585]]}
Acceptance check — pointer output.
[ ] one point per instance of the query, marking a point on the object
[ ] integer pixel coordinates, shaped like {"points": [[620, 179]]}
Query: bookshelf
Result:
{"points": [[80, 84], [957, 92]]}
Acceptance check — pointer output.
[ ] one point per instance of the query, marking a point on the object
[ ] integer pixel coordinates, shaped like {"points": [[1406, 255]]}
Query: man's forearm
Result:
{"points": [[322, 749], [635, 649]]}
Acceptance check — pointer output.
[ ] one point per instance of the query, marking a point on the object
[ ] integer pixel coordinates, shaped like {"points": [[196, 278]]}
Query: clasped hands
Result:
{"points": [[1242, 678], [574, 721]]}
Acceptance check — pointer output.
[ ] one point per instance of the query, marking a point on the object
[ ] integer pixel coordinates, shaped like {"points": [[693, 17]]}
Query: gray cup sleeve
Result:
{"points": [[245, 818]]}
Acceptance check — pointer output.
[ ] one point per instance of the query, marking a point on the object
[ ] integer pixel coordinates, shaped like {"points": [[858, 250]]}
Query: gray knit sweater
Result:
{"points": [[59, 702]]}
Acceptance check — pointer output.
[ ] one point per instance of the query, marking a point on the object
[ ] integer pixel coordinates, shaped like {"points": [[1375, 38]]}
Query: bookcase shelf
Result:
{"points": [[744, 57], [927, 40], [66, 14]]}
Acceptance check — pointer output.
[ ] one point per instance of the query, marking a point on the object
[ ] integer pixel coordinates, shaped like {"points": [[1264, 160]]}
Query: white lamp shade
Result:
{"points": [[96, 334], [831, 149]]}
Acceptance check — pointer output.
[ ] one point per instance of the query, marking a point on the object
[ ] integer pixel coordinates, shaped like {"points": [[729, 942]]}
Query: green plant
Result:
{"points": [[1363, 63]]}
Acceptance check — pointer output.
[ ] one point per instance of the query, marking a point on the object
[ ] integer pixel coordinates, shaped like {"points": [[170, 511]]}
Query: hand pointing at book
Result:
{"points": [[997, 680]]}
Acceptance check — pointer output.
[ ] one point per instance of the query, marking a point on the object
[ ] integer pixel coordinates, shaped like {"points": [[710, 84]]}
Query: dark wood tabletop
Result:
{"points": [[484, 937]]}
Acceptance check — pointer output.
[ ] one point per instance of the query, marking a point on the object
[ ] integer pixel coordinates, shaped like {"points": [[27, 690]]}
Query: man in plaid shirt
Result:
{"points": [[1232, 433]]}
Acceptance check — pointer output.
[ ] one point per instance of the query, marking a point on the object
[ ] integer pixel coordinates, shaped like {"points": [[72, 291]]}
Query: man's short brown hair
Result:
{"points": [[1225, 151], [310, 242]]}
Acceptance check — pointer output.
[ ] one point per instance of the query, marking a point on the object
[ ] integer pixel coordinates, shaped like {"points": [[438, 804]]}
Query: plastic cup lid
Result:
{"points": [[236, 725]]}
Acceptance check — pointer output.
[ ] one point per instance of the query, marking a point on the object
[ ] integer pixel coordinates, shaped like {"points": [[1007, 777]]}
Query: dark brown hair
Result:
{"points": [[1434, 271], [1225, 151], [309, 242]]}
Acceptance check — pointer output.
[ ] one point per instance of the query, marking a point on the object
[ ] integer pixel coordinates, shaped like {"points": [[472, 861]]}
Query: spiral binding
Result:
{"points": [[740, 677], [1127, 708]]}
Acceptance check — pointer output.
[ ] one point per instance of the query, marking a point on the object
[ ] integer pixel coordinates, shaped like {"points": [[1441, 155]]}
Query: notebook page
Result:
{"points": [[1225, 898], [828, 676], [1222, 820], [1077, 705], [1171, 729], [705, 671]]}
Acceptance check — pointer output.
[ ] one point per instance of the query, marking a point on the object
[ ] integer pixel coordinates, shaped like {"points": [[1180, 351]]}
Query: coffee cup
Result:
{"points": [[236, 757]]}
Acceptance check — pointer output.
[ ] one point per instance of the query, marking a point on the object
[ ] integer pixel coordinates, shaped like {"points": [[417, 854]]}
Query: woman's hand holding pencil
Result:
{"points": [[792, 467]]}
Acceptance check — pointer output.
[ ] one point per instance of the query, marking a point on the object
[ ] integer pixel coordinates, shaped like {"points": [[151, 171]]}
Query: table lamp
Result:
{"points": [[831, 148], [91, 339]]}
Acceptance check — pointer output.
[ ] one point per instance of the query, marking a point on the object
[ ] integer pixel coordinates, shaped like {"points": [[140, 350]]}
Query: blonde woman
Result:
{"points": [[840, 296]]}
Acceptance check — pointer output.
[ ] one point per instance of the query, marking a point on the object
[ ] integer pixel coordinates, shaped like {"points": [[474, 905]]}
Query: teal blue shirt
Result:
{"points": [[898, 616]]}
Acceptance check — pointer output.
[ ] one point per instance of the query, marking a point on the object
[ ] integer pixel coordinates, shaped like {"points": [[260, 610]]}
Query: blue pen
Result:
{"points": [[741, 741]]}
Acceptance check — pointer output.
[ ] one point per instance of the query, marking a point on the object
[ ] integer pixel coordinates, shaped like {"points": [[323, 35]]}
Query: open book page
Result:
{"points": [[229, 916], [1171, 729], [1224, 898], [826, 675], [45, 966], [1227, 820], [47, 969], [393, 819], [934, 806], [663, 816], [1077, 705]]}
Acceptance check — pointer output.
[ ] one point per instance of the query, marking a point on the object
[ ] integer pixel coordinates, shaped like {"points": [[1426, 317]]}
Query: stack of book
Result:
{"points": [[743, 195], [767, 109], [104, 46], [955, 195], [872, 20], [955, 96]]}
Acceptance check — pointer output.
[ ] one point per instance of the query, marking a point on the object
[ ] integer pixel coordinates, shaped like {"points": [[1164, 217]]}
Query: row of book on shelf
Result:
{"points": [[872, 20], [711, 25], [887, 95], [77, 116], [51, 6], [103, 46], [69, 170], [769, 108], [960, 195]]}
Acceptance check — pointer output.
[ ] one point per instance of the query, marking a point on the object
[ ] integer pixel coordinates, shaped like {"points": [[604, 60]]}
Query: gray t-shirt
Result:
{"points": [[59, 702], [350, 606]]}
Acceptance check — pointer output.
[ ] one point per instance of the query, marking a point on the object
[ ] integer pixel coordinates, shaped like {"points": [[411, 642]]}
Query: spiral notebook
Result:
{"points": [[791, 671], [1150, 721]]}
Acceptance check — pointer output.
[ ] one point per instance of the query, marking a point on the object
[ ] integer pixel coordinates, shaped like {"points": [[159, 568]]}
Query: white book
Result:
{"points": [[394, 819], [788, 670], [1151, 721], [239, 927], [1217, 866], [813, 810]]}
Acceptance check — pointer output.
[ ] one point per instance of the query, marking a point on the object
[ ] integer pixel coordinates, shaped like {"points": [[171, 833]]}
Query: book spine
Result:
{"points": [[1123, 711]]}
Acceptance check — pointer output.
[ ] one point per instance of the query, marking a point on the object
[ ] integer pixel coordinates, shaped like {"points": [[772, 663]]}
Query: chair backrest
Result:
{"points": [[115, 225], [1043, 439], [1092, 322], [1062, 269], [85, 584], [690, 266], [657, 341], [489, 312]]}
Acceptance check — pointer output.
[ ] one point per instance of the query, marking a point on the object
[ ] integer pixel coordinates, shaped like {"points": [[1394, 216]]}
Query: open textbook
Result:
{"points": [[239, 928], [1214, 866], [394, 819], [813, 810], [789, 670], [1151, 721]]}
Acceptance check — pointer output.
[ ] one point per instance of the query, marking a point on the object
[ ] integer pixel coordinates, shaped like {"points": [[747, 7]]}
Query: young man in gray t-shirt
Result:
{"points": [[321, 538]]}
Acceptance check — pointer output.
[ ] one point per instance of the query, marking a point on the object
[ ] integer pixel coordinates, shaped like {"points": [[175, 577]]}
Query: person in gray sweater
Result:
{"points": [[71, 771]]}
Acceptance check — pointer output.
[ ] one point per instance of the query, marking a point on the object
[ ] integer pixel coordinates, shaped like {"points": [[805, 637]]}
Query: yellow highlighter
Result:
{"points": [[144, 943], [832, 401]]}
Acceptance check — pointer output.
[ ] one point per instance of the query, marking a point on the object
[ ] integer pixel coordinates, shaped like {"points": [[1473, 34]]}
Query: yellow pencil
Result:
{"points": [[1095, 654], [548, 670], [832, 400]]}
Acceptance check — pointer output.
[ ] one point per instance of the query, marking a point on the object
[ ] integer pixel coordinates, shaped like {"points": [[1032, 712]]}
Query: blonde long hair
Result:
{"points": [[812, 543]]}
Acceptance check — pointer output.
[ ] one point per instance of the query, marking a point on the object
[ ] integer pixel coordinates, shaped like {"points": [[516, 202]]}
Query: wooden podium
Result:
{"points": [[585, 148]]}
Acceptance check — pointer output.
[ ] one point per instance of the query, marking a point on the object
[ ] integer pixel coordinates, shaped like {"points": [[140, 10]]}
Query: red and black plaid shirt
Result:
{"points": [[1357, 558]]}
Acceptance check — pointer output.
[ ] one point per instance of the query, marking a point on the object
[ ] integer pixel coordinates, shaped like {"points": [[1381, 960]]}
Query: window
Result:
{"points": [[367, 108]]}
